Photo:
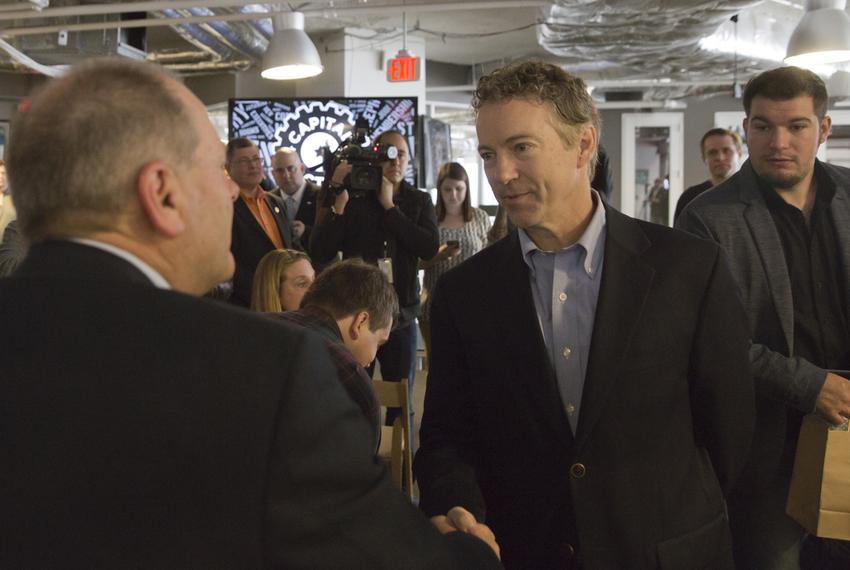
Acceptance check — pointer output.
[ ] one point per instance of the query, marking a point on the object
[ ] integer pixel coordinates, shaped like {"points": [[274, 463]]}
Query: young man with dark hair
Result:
{"points": [[721, 151], [352, 305], [395, 226], [588, 390], [784, 221]]}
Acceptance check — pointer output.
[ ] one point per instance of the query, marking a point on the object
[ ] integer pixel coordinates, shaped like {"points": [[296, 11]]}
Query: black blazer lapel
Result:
{"points": [[840, 210], [307, 208], [771, 254], [529, 354], [626, 281], [278, 211], [246, 221]]}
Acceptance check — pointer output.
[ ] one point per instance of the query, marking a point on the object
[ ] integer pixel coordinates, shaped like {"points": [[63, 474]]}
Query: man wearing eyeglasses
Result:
{"points": [[298, 194], [259, 218]]}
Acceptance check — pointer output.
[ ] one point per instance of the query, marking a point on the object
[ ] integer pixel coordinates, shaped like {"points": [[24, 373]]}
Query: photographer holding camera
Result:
{"points": [[391, 224]]}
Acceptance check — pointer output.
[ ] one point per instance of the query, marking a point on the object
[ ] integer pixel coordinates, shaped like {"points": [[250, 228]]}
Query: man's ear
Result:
{"points": [[360, 320], [586, 145], [161, 197], [825, 126]]}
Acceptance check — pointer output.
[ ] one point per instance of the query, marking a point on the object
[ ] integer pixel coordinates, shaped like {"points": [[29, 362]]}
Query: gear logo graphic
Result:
{"points": [[313, 126]]}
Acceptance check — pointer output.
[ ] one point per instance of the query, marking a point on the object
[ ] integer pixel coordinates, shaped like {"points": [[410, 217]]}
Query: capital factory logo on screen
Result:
{"points": [[312, 127]]}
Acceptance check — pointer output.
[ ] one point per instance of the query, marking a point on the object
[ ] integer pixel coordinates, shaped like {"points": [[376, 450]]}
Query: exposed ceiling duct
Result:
{"points": [[220, 46], [657, 43], [223, 45], [667, 49]]}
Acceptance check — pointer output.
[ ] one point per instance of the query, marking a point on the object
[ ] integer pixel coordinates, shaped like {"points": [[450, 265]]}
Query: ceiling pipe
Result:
{"points": [[241, 17], [26, 7], [24, 59], [121, 8]]}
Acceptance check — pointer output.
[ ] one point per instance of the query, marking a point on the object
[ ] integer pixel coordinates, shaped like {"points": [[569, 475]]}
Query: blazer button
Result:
{"points": [[567, 551], [578, 470]]}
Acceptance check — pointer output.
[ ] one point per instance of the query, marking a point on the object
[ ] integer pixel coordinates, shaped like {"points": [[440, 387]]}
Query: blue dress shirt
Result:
{"points": [[565, 287]]}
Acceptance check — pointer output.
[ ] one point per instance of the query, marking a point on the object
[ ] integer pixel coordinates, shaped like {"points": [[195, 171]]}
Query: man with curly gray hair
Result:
{"points": [[589, 392]]}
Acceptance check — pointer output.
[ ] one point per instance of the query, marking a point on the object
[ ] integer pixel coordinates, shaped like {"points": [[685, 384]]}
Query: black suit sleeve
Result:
{"points": [[445, 462], [330, 505], [721, 384]]}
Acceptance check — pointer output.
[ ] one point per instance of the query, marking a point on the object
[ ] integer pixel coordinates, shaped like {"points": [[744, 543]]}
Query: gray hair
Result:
{"points": [[76, 150]]}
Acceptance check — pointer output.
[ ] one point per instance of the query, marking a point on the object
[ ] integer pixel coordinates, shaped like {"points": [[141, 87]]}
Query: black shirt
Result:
{"points": [[406, 233], [821, 334]]}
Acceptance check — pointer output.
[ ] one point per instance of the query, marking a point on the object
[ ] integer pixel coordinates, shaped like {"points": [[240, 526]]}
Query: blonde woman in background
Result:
{"points": [[463, 233], [281, 280]]}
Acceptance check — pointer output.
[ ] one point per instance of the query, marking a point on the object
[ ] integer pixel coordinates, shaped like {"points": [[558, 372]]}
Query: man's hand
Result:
{"points": [[340, 172], [460, 520], [834, 399], [297, 228], [385, 194]]}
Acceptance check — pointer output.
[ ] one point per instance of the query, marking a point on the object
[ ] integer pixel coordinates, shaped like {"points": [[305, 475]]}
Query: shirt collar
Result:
{"points": [[589, 240], [245, 196], [156, 277], [298, 193]]}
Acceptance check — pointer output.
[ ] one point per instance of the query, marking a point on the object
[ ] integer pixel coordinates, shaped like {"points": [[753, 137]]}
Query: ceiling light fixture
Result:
{"points": [[291, 54], [822, 36]]}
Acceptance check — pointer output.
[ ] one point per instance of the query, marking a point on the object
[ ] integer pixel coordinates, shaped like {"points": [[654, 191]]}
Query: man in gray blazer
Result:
{"points": [[784, 220]]}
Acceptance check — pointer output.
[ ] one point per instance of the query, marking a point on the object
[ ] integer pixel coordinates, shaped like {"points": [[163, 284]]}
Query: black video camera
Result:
{"points": [[365, 160]]}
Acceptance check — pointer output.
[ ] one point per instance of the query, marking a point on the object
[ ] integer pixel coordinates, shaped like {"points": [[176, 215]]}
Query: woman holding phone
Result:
{"points": [[463, 233]]}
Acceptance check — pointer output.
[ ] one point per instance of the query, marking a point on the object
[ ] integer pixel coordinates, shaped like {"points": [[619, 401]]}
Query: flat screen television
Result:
{"points": [[309, 125]]}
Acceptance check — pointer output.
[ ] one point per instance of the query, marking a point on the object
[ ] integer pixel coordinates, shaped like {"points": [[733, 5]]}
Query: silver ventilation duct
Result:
{"points": [[656, 45], [224, 45]]}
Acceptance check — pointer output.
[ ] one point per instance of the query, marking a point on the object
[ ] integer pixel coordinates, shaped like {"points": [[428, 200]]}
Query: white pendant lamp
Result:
{"points": [[822, 36], [291, 54]]}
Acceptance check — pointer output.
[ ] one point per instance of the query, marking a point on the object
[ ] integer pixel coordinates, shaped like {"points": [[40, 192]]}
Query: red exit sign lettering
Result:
{"points": [[402, 69]]}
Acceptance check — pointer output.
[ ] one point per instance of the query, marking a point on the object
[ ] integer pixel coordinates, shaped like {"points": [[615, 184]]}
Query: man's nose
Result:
{"points": [[779, 138], [503, 170]]}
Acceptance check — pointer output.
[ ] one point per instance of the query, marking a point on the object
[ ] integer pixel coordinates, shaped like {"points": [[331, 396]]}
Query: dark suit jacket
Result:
{"points": [[688, 196], [143, 428], [249, 243], [735, 216], [665, 420], [306, 209]]}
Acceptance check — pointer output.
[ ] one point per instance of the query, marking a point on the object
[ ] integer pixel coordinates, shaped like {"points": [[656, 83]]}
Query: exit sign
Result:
{"points": [[403, 69]]}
